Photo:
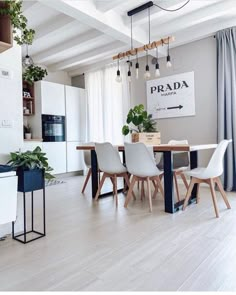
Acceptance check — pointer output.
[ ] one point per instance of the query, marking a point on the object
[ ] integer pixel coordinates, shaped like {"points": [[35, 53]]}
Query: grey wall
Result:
{"points": [[78, 81], [199, 57]]}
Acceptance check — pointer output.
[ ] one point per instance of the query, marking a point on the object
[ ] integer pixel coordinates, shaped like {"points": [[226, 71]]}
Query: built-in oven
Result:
{"points": [[53, 128]]}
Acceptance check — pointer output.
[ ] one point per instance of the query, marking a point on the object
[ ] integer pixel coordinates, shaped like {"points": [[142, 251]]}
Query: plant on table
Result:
{"points": [[139, 120], [31, 160]]}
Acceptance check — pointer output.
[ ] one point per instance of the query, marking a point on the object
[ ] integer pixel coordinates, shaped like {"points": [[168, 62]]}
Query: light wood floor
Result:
{"points": [[98, 247]]}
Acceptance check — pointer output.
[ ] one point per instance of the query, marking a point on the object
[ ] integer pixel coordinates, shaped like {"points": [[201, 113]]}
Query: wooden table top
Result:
{"points": [[160, 148]]}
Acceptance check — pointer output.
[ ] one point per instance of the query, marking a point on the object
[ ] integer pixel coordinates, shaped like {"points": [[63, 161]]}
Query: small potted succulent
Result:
{"points": [[141, 126], [31, 168]]}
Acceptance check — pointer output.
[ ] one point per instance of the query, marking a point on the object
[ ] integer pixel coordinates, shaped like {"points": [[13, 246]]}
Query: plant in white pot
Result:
{"points": [[27, 131], [141, 126]]}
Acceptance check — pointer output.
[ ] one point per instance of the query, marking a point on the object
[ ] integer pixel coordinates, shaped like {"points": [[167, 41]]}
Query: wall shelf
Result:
{"points": [[6, 38], [28, 102]]}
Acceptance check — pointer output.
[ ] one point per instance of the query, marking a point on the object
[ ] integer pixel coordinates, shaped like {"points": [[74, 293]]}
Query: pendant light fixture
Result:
{"points": [[150, 46], [129, 70], [157, 71], [118, 76], [27, 60], [147, 74], [168, 62], [137, 66]]}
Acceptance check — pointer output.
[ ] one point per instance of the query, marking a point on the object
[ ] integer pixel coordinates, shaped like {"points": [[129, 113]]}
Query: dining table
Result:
{"points": [[168, 150]]}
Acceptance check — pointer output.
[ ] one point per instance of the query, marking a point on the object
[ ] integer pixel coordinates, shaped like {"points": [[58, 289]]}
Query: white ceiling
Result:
{"points": [[73, 35]]}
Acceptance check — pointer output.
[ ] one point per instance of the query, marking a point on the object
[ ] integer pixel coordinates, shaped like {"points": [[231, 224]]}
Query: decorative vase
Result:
{"points": [[28, 135]]}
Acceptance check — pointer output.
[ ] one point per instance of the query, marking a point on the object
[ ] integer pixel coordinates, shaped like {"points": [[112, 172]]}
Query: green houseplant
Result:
{"points": [[13, 8], [34, 73], [31, 161], [139, 120]]}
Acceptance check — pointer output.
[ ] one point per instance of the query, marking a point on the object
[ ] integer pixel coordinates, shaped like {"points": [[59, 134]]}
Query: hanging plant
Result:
{"points": [[34, 73], [13, 8]]}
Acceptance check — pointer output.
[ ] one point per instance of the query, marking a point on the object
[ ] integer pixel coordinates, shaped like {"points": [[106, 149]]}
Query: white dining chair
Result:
{"points": [[180, 164], [141, 165], [210, 175], [110, 164]]}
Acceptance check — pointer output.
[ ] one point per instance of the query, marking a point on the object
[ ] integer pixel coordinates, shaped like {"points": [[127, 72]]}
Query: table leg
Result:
{"points": [[194, 164], [168, 182], [94, 167]]}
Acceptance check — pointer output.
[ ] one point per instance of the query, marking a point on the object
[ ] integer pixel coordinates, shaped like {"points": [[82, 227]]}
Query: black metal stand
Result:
{"points": [[25, 232]]}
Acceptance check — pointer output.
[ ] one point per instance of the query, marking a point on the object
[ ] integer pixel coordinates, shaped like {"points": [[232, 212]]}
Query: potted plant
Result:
{"points": [[27, 131], [13, 9], [34, 73], [31, 168], [141, 126]]}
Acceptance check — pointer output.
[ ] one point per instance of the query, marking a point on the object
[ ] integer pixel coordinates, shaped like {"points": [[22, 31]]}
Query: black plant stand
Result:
{"points": [[24, 186]]}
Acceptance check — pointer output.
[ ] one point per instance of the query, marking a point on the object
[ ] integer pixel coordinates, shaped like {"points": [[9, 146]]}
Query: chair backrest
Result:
{"points": [[108, 158], [87, 158], [180, 159], [216, 166], [139, 160]]}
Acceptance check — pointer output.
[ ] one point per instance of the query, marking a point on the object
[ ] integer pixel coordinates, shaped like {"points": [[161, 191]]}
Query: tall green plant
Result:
{"points": [[13, 8], [139, 120], [29, 160]]}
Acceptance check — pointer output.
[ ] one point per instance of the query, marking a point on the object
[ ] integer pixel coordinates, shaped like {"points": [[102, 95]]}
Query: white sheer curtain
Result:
{"points": [[108, 104]]}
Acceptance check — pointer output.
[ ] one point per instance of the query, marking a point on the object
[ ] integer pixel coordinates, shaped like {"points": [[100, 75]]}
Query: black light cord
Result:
{"points": [[172, 10]]}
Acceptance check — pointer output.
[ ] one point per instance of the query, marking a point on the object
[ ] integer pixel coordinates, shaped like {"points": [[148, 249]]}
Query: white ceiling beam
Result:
{"points": [[81, 40], [197, 17], [26, 5], [55, 25], [110, 23], [202, 30], [31, 8], [97, 53], [107, 5]]}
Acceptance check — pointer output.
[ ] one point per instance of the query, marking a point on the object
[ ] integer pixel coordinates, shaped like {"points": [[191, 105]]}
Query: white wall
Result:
{"points": [[11, 102], [59, 77], [200, 57], [11, 139]]}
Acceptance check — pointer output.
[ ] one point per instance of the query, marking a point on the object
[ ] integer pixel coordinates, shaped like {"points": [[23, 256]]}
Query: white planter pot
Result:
{"points": [[28, 136]]}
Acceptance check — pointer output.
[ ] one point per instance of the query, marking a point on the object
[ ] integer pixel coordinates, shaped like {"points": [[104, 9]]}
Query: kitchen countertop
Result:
{"points": [[33, 139]]}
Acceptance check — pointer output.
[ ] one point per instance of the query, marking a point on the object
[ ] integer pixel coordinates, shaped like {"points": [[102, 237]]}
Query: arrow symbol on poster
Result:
{"points": [[177, 107]]}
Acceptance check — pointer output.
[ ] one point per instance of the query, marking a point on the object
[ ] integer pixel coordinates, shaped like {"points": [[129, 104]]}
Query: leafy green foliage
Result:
{"points": [[29, 160], [139, 118], [13, 8], [34, 73]]}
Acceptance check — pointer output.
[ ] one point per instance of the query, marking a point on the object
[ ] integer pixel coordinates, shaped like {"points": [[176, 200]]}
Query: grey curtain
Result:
{"points": [[226, 92]]}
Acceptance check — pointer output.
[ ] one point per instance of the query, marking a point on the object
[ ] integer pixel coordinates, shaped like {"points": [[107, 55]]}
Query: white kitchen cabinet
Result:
{"points": [[56, 154], [8, 199], [52, 98], [75, 160], [75, 114], [31, 145]]}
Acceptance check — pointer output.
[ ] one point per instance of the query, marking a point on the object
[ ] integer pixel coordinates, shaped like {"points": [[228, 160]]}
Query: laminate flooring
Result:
{"points": [[97, 247]]}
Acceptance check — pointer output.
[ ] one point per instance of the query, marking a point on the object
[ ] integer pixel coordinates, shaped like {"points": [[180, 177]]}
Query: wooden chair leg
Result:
{"points": [[149, 194], [87, 179], [182, 175], [115, 189], [128, 185], [142, 190], [188, 194], [213, 194], [113, 185], [159, 184], [100, 186], [223, 194], [198, 196], [155, 190], [154, 184], [129, 195], [176, 187]]}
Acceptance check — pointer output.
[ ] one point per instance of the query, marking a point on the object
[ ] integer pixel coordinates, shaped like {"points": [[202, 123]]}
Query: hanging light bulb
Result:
{"points": [[147, 74], [137, 65], [27, 60], [157, 71], [168, 62], [118, 76], [129, 76], [129, 70]]}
